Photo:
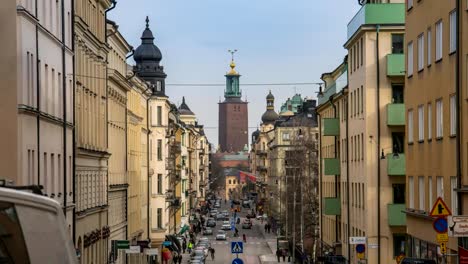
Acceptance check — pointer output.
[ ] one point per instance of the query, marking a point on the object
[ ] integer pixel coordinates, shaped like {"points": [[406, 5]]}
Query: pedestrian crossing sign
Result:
{"points": [[237, 247]]}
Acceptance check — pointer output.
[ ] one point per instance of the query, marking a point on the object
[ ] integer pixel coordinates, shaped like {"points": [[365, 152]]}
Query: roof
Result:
{"points": [[184, 109]]}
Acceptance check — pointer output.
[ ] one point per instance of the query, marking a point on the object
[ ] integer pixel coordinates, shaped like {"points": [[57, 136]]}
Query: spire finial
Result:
{"points": [[183, 99], [232, 54], [147, 22], [233, 64]]}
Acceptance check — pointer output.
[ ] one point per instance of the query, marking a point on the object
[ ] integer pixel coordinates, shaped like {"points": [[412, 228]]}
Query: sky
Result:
{"points": [[278, 41]]}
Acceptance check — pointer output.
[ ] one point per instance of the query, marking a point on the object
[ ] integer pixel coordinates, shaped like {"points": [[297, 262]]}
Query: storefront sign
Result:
{"points": [[357, 240], [133, 250], [462, 256], [458, 226], [151, 251]]}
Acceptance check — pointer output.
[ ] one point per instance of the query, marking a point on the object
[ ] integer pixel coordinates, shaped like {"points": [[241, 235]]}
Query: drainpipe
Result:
{"points": [[458, 82], [148, 166], [320, 182], [73, 130], [64, 109], [378, 142], [114, 3], [347, 168], [38, 102], [336, 176]]}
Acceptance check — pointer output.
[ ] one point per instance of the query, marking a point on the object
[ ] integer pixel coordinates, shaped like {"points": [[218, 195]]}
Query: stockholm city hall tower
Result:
{"points": [[233, 115]]}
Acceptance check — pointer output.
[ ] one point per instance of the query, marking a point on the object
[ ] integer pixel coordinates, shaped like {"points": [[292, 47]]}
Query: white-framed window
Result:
{"points": [[440, 186], [453, 31], [421, 123], [439, 118], [410, 126], [285, 136], [429, 190], [422, 194], [453, 115], [410, 4], [439, 40], [410, 59], [429, 121], [421, 52], [453, 194], [411, 191], [429, 46]]}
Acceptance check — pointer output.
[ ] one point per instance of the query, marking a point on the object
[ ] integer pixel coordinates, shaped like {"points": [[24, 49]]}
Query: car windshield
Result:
{"points": [[12, 245]]}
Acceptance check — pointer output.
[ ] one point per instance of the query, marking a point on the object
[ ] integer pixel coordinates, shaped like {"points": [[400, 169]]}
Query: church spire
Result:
{"points": [[232, 80]]}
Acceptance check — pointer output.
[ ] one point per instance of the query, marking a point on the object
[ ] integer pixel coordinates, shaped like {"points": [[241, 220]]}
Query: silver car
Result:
{"points": [[221, 235]]}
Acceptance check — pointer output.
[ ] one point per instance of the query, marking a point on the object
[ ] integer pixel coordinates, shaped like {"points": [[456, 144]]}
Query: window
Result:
{"points": [[159, 115], [229, 181], [421, 123], [158, 86], [422, 195], [410, 59], [429, 121], [453, 31], [410, 126], [160, 187], [397, 43], [362, 99], [429, 46], [411, 191], [398, 142], [159, 150], [286, 136], [430, 190], [159, 217], [421, 52], [397, 94], [410, 4], [357, 50], [440, 186], [453, 115], [358, 101], [438, 41], [399, 241], [439, 119], [453, 194], [362, 51], [398, 193], [351, 60], [151, 149]]}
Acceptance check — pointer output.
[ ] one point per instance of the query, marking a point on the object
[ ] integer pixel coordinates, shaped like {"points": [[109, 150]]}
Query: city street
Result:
{"points": [[258, 248]]}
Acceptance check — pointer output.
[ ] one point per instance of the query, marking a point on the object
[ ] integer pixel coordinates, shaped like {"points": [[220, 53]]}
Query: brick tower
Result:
{"points": [[233, 115]]}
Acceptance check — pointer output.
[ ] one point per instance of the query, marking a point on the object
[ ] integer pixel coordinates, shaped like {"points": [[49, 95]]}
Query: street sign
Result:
{"points": [[361, 255], [357, 240], [458, 226], [440, 208], [133, 250], [122, 244], [440, 225], [360, 248], [237, 261], [442, 237], [443, 247], [237, 247]]}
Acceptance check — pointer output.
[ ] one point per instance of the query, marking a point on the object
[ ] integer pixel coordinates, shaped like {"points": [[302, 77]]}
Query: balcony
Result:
{"points": [[396, 65], [331, 206], [377, 14], [396, 114], [331, 166], [396, 166], [396, 215], [330, 127]]}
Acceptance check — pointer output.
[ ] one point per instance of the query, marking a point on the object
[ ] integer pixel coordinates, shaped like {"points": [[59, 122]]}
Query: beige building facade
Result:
{"points": [[435, 96], [36, 101]]}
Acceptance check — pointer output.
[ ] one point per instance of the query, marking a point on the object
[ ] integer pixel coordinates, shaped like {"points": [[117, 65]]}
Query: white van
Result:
{"points": [[33, 230]]}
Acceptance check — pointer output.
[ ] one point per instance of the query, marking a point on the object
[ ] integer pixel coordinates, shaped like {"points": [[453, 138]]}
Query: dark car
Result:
{"points": [[210, 222]]}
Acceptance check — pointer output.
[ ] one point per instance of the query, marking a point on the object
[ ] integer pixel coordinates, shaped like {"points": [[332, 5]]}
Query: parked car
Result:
{"points": [[208, 231], [220, 216], [247, 224], [221, 235], [210, 222], [217, 205]]}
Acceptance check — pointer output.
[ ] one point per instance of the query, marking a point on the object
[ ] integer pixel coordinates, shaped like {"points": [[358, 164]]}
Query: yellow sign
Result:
{"points": [[443, 247], [361, 255], [400, 258], [440, 208], [442, 237]]}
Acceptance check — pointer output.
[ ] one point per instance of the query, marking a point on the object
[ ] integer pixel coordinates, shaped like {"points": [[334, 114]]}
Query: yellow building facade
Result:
{"points": [[435, 98], [91, 170]]}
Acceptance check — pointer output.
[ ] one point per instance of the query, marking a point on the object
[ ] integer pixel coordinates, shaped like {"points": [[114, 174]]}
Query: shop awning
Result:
{"points": [[184, 229]]}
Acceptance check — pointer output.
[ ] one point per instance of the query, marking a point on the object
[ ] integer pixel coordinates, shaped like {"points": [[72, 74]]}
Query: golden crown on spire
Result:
{"points": [[233, 64]]}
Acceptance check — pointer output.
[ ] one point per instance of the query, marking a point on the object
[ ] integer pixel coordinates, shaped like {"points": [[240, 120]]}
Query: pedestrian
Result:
{"points": [[269, 228], [283, 253], [180, 259], [244, 238], [184, 245], [278, 255], [212, 251], [190, 246], [266, 228]]}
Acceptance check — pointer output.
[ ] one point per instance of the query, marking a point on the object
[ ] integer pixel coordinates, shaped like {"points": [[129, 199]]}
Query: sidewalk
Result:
{"points": [[270, 238]]}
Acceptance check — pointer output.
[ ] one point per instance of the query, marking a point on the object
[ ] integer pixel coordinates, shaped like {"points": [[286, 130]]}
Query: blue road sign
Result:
{"points": [[440, 225], [237, 247], [360, 248], [237, 261]]}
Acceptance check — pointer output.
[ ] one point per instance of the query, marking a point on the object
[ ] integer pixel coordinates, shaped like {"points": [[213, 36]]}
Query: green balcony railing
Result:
{"points": [[330, 127], [396, 114], [396, 165], [331, 166], [396, 215], [332, 206], [395, 65]]}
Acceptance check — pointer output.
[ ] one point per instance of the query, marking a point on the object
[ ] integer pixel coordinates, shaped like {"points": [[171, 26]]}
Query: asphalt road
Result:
{"points": [[256, 244]]}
